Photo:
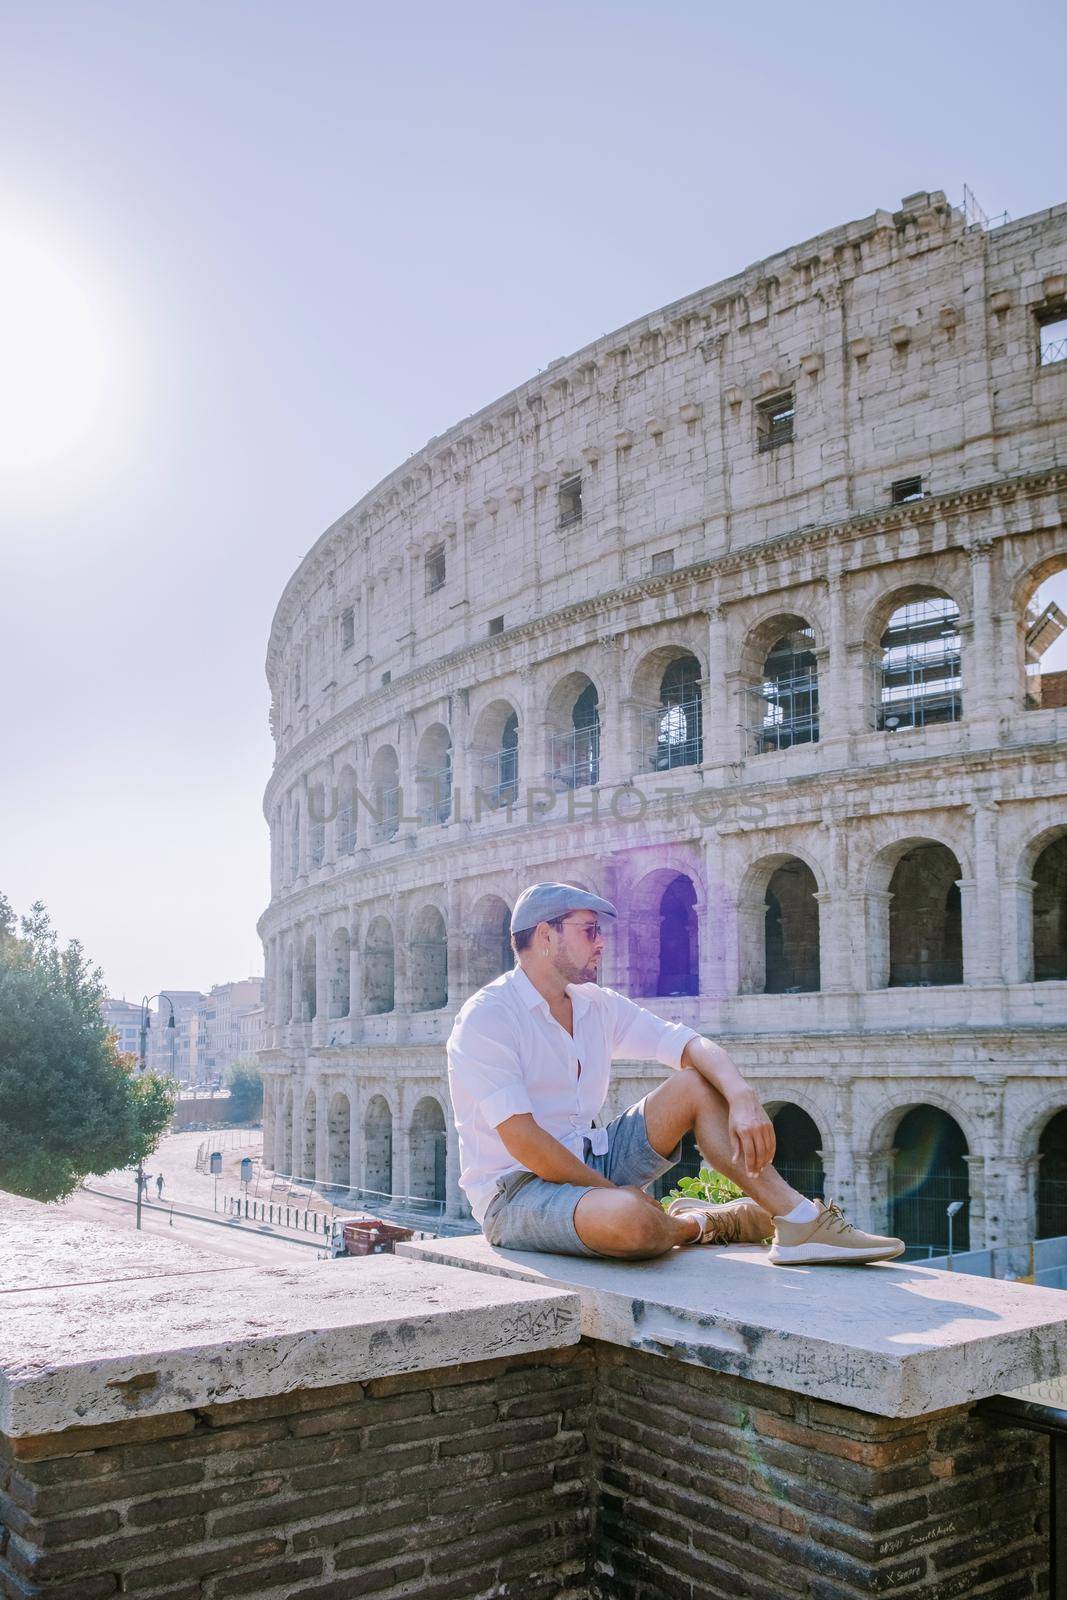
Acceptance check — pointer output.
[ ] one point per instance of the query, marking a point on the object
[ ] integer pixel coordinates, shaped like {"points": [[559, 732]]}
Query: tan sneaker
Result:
{"points": [[733, 1222], [829, 1239]]}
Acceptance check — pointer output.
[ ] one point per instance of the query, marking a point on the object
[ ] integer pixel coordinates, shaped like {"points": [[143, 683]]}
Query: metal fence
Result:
{"points": [[919, 1212]]}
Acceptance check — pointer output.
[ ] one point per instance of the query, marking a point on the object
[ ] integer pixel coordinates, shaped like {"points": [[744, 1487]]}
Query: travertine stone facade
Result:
{"points": [[693, 489]]}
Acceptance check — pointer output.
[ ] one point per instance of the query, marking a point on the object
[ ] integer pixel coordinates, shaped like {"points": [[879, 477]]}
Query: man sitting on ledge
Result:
{"points": [[529, 1059]]}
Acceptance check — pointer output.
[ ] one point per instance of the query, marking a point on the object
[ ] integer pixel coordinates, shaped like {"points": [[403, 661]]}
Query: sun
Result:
{"points": [[53, 355]]}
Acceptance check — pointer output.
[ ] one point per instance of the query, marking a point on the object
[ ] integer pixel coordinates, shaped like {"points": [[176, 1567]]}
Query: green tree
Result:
{"points": [[70, 1102], [246, 1091]]}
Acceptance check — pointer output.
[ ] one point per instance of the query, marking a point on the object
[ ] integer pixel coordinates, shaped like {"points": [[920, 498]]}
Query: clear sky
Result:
{"points": [[252, 255]]}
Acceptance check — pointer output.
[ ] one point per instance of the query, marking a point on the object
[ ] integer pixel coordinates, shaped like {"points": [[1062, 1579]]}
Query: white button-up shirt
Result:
{"points": [[507, 1055]]}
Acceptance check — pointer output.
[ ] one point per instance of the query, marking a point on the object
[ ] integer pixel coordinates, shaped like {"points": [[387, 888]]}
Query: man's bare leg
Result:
{"points": [[687, 1101], [628, 1223]]}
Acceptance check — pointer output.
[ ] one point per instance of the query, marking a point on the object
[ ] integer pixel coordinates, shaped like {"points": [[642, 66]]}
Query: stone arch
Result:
{"points": [[664, 953], [1048, 928], [428, 1144], [294, 839], [346, 822], [378, 1147], [778, 923], [667, 697], [339, 1143], [384, 799], [912, 637], [309, 979], [494, 745], [799, 1147], [429, 960], [780, 682], [1037, 627], [340, 969], [379, 967], [1052, 1176], [903, 954], [309, 1134], [316, 808], [433, 776], [929, 1174], [572, 724], [284, 1160], [489, 940], [287, 983]]}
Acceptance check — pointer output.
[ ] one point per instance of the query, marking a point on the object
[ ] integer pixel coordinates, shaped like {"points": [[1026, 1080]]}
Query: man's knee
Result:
{"points": [[622, 1223]]}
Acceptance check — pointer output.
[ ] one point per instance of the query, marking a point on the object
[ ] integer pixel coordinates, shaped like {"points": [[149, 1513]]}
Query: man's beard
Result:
{"points": [[574, 974]]}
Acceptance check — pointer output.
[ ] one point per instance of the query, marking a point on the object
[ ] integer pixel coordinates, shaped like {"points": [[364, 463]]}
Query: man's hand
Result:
{"points": [[751, 1132]]}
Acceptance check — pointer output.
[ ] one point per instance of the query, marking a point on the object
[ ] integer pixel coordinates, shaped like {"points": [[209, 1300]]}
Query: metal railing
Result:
{"points": [[1053, 350], [785, 712], [671, 736], [575, 758]]}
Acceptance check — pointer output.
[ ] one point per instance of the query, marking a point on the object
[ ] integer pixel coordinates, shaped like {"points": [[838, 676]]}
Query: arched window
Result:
{"points": [[340, 968], [787, 697], [1052, 1179], [378, 1139], [433, 776], [378, 968], [929, 1175], [679, 720], [791, 930], [798, 1150], [509, 761], [385, 787], [1050, 912], [575, 746], [679, 961], [345, 827], [920, 664], [429, 1147], [308, 980], [316, 825], [490, 952], [429, 961], [307, 1167], [925, 926], [340, 1141]]}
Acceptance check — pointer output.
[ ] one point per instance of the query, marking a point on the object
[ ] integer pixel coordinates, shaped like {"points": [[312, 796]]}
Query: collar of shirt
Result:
{"points": [[531, 995]]}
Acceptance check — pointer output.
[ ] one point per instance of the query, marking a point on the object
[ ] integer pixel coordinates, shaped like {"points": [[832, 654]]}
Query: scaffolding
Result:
{"points": [[920, 666], [671, 733], [784, 708], [575, 758]]}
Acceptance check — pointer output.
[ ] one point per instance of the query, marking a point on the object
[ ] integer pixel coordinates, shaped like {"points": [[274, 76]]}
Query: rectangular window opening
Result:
{"points": [[1052, 331], [774, 421], [906, 489], [496, 624], [663, 561], [348, 629], [570, 501], [435, 569]]}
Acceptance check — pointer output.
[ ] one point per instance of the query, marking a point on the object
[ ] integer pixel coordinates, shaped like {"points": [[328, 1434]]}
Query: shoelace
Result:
{"points": [[727, 1228], [833, 1213]]}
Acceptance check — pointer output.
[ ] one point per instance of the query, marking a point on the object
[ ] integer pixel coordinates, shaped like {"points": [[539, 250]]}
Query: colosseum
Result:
{"points": [[736, 616]]}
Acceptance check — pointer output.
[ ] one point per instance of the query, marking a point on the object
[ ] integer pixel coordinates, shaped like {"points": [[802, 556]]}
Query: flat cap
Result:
{"points": [[541, 902]]}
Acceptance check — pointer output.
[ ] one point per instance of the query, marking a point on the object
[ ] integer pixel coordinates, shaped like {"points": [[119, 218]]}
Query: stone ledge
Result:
{"points": [[897, 1341], [83, 1354]]}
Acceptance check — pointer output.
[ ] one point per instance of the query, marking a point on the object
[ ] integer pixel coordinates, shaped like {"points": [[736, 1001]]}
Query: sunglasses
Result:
{"points": [[592, 930]]}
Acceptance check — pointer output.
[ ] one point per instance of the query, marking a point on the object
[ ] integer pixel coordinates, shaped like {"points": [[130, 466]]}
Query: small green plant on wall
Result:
{"points": [[707, 1185]]}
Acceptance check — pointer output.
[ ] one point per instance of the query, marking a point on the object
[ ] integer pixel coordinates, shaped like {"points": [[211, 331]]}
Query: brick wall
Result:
{"points": [[594, 1473], [448, 1485], [712, 1488]]}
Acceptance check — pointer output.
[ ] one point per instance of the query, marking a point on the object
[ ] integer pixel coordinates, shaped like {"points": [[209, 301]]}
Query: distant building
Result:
{"points": [[219, 1021], [184, 1061], [251, 1033], [125, 1017]]}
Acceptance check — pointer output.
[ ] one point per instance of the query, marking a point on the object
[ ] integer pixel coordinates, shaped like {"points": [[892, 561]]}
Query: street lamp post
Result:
{"points": [[142, 1067]]}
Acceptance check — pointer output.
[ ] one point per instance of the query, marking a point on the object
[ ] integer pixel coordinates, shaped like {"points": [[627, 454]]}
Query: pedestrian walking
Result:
{"points": [[159, 1186]]}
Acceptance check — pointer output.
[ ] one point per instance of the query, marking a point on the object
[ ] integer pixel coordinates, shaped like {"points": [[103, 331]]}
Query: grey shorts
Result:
{"points": [[529, 1213]]}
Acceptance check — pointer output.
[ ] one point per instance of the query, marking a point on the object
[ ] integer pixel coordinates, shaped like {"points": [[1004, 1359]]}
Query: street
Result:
{"points": [[246, 1242]]}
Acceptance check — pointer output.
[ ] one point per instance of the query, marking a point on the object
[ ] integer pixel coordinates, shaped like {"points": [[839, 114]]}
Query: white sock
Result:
{"points": [[803, 1211], [698, 1218]]}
